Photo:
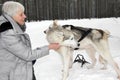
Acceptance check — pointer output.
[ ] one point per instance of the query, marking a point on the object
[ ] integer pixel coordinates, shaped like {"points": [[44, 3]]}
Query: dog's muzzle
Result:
{"points": [[77, 47]]}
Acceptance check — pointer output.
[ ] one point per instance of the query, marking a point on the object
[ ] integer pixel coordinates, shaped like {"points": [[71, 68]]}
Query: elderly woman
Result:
{"points": [[16, 54]]}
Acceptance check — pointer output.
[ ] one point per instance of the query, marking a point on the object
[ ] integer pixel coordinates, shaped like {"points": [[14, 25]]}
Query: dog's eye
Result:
{"points": [[49, 27], [71, 38]]}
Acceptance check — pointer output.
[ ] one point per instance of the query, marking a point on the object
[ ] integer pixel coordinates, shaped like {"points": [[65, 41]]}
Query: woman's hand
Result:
{"points": [[54, 46]]}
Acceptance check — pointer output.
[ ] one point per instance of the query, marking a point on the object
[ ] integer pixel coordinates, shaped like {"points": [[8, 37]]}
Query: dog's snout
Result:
{"points": [[77, 47]]}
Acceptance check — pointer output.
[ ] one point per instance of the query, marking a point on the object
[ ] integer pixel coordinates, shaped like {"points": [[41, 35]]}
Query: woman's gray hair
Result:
{"points": [[11, 7]]}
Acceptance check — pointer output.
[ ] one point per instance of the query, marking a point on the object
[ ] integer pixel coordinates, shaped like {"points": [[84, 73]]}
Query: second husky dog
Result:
{"points": [[56, 34]]}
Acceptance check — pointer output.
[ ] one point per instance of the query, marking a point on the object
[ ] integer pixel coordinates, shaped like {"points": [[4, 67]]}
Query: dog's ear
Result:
{"points": [[55, 24], [68, 28]]}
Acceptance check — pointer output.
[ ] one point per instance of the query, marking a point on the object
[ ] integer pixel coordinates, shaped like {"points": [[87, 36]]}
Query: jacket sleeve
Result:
{"points": [[13, 43]]}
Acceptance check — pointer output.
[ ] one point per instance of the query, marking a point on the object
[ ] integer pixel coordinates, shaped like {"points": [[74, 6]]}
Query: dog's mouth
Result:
{"points": [[76, 48]]}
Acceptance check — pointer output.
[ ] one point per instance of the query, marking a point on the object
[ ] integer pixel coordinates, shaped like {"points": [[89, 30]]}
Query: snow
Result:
{"points": [[49, 67]]}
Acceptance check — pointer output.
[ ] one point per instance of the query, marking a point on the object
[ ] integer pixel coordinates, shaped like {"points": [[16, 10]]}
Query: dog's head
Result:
{"points": [[74, 30], [56, 34]]}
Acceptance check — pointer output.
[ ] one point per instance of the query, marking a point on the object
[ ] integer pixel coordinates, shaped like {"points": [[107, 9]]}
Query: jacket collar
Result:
{"points": [[16, 27]]}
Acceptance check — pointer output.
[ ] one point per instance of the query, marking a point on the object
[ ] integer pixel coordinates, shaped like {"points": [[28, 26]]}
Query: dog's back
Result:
{"points": [[82, 32]]}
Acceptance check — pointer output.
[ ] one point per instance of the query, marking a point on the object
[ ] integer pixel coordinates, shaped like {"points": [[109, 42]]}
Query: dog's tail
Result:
{"points": [[107, 32]]}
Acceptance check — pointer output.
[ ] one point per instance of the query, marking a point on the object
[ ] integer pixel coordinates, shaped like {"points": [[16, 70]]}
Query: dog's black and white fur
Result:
{"points": [[94, 40]]}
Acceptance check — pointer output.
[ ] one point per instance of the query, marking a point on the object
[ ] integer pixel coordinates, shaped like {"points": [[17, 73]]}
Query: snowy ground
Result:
{"points": [[49, 67]]}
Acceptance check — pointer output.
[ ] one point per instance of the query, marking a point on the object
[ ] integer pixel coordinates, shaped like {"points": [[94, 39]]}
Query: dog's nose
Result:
{"points": [[45, 32], [78, 44]]}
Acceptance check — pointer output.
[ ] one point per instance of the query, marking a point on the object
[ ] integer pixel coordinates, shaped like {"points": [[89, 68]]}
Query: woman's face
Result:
{"points": [[19, 17]]}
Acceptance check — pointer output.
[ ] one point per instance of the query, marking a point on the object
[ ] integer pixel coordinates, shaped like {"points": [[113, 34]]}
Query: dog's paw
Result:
{"points": [[89, 66], [103, 68], [118, 77]]}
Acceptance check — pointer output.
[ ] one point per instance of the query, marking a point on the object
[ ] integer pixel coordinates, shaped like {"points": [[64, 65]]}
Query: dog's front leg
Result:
{"points": [[66, 67], [66, 53]]}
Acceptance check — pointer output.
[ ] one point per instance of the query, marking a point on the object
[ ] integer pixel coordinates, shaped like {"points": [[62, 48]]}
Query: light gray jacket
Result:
{"points": [[16, 54]]}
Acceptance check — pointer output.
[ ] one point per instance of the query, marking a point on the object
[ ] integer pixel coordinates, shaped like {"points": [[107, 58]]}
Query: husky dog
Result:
{"points": [[56, 34], [94, 40]]}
